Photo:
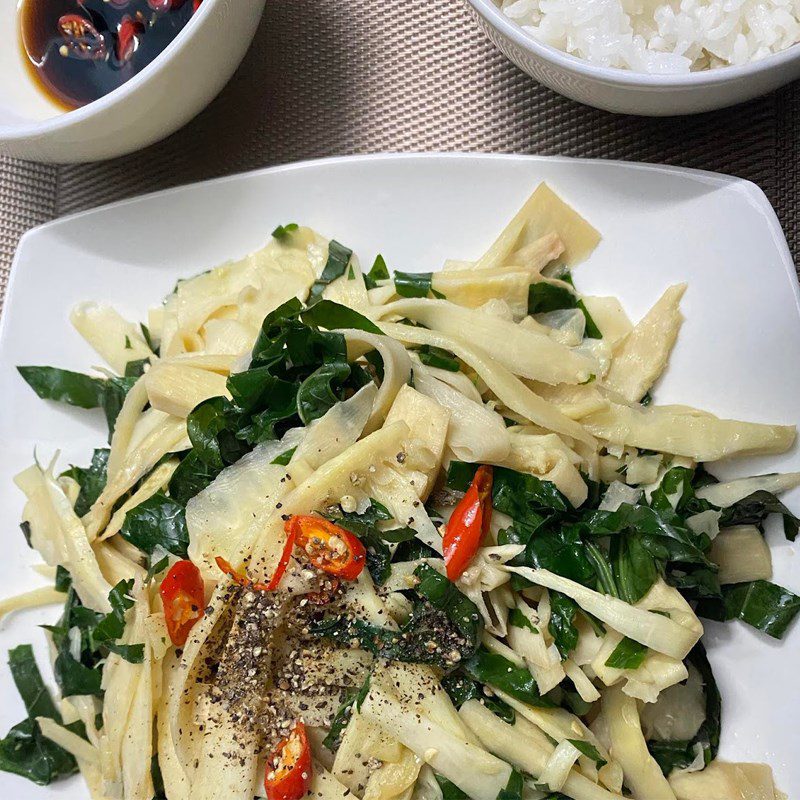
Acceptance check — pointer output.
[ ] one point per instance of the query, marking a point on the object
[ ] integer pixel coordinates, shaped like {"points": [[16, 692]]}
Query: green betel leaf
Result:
{"points": [[321, 390], [158, 521], [628, 654], [755, 508], [438, 357], [544, 297], [24, 751], [493, 669], [519, 620], [91, 479], [190, 478], [443, 594], [562, 623], [412, 284], [283, 232], [74, 388], [338, 258], [527, 499], [284, 458], [764, 605], [378, 272], [589, 750], [330, 315]]}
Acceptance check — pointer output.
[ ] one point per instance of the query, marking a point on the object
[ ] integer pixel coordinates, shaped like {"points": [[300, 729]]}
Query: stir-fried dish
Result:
{"points": [[410, 537]]}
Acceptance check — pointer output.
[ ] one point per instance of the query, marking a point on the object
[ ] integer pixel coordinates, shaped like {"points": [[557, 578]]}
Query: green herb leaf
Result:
{"points": [[443, 594], [158, 521], [589, 750], [438, 357], [74, 388], [282, 232], [321, 390], [338, 258], [330, 315], [412, 284], [562, 623], [519, 620], [190, 478], [544, 297], [135, 369], [628, 654], [449, 790], [91, 479], [514, 787], [378, 272], [491, 668], [764, 605], [24, 751], [755, 508], [284, 458], [461, 687]]}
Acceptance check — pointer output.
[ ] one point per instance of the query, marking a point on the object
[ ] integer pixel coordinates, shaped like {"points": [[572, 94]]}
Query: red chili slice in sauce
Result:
{"points": [[130, 30], [288, 771], [468, 524], [81, 39], [182, 594]]}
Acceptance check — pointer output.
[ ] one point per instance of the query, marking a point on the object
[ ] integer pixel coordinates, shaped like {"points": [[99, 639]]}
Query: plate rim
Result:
{"points": [[753, 193]]}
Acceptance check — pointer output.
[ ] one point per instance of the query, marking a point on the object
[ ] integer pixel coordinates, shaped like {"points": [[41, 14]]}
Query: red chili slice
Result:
{"points": [[160, 6], [81, 38], [182, 594], [468, 524], [328, 547], [128, 39], [288, 772], [243, 580]]}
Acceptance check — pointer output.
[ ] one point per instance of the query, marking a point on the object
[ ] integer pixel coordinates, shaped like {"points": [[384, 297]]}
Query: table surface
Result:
{"points": [[332, 77]]}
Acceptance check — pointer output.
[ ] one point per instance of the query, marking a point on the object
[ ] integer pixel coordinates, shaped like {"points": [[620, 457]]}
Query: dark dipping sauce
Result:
{"points": [[80, 50]]}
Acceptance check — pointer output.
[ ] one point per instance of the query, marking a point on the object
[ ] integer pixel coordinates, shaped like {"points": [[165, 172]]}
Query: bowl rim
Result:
{"points": [[31, 130], [622, 77]]}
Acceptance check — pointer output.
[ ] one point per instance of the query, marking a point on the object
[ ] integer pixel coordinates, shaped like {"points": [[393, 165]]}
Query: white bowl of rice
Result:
{"points": [[650, 57]]}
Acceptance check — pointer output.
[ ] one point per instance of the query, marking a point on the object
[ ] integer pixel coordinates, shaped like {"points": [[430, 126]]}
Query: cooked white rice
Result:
{"points": [[661, 37]]}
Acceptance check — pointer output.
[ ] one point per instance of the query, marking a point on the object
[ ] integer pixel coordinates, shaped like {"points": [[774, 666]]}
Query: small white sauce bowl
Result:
{"points": [[629, 92], [165, 95]]}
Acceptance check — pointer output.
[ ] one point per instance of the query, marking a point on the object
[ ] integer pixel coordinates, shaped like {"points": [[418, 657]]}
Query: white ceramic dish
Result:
{"points": [[160, 99], [628, 92], [736, 354]]}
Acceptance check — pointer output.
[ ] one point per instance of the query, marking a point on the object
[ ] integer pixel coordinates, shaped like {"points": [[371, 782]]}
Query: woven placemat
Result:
{"points": [[330, 77]]}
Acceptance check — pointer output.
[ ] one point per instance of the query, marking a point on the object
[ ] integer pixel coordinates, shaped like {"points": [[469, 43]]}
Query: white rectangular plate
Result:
{"points": [[737, 354]]}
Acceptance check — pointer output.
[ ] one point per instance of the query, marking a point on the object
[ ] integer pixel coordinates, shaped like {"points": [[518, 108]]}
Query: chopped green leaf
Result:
{"points": [[284, 458], [562, 623], [91, 479], [412, 284], [764, 605], [74, 388], [25, 751], [378, 272], [519, 620], [338, 258], [499, 672], [281, 233], [330, 315], [159, 521], [589, 750], [438, 357], [628, 654]]}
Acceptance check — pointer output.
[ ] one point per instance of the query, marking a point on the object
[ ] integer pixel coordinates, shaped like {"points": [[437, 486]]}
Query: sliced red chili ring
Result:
{"points": [[288, 771], [182, 595], [81, 39], [327, 546]]}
